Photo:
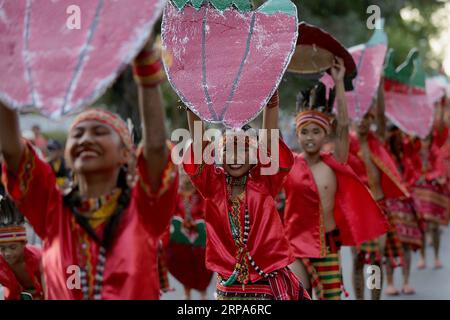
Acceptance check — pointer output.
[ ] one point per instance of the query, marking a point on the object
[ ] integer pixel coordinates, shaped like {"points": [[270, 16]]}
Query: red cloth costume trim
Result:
{"points": [[357, 218], [391, 180]]}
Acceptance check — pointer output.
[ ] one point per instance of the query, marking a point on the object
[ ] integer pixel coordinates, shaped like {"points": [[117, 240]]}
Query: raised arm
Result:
{"points": [[440, 111], [11, 144], [270, 116], [148, 70], [381, 118], [343, 123]]}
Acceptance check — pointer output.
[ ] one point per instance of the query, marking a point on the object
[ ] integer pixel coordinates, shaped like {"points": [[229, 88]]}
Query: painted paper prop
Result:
{"points": [[369, 59], [225, 60], [315, 52], [406, 101], [48, 63]]}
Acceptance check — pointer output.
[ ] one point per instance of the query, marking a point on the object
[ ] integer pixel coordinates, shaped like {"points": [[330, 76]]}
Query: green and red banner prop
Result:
{"points": [[406, 100], [369, 59], [225, 60]]}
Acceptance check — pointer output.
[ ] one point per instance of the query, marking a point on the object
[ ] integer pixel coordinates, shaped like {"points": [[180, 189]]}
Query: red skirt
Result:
{"points": [[407, 222], [432, 202]]}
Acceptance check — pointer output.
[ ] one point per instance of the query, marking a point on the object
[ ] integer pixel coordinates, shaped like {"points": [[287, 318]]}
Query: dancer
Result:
{"points": [[246, 243], [20, 263], [322, 209], [374, 165], [405, 218], [430, 192], [104, 233]]}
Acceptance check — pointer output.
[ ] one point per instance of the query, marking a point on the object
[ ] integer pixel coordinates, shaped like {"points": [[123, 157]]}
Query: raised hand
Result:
{"points": [[338, 70]]}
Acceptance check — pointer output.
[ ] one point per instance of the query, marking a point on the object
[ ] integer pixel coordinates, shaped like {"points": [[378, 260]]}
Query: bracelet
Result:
{"points": [[148, 70], [274, 101]]}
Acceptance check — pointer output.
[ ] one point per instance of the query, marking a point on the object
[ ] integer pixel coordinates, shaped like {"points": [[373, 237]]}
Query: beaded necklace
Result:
{"points": [[108, 209], [241, 272]]}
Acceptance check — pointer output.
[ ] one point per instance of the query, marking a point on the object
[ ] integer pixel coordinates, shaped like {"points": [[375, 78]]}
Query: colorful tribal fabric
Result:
{"points": [[393, 251], [12, 234], [406, 221], [326, 276], [284, 286], [325, 273], [307, 117], [432, 203], [371, 252], [252, 291]]}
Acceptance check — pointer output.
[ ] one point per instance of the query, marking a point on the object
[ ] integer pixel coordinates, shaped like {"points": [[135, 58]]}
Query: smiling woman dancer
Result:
{"points": [[104, 233]]}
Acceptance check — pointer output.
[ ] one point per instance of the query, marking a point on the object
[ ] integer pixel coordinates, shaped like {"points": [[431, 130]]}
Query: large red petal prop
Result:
{"points": [[226, 65], [46, 65]]}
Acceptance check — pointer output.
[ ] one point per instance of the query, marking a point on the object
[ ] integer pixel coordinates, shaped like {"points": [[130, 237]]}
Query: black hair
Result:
{"points": [[316, 99], [9, 213]]}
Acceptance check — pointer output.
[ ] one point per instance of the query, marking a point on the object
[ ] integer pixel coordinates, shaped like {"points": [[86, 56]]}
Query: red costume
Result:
{"points": [[358, 219], [392, 187], [391, 180], [403, 213], [130, 268], [245, 237], [430, 193], [32, 259]]}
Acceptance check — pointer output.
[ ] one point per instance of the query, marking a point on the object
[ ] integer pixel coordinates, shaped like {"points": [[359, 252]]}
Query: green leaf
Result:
{"points": [[275, 6], [389, 68], [418, 77], [197, 4], [406, 69], [243, 5], [221, 4], [180, 4], [410, 72]]}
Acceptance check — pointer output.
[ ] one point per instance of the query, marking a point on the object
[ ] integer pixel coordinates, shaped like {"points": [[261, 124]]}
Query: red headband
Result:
{"points": [[110, 119], [13, 234], [307, 117]]}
